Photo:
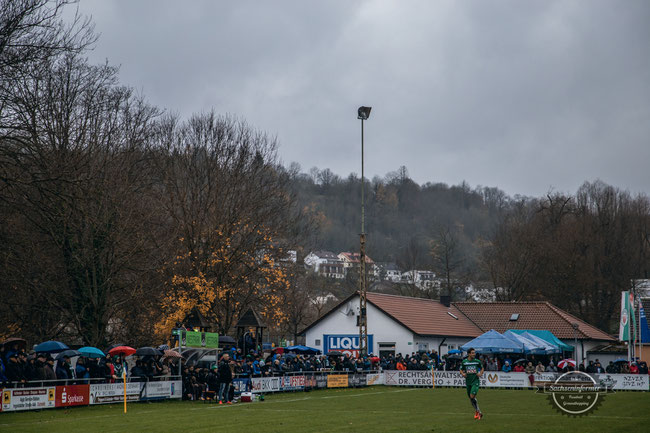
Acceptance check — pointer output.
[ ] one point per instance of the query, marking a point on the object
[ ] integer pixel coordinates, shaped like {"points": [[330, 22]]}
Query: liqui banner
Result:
{"points": [[345, 343]]}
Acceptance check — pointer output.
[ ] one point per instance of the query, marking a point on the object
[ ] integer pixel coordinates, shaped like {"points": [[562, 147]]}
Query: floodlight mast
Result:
{"points": [[362, 114]]}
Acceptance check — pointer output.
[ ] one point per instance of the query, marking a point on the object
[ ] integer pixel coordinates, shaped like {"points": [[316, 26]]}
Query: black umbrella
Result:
{"points": [[334, 353], [148, 351], [22, 344], [226, 340], [69, 353]]}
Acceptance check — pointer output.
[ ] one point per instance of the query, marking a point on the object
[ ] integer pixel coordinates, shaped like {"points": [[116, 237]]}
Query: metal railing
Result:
{"points": [[84, 381]]}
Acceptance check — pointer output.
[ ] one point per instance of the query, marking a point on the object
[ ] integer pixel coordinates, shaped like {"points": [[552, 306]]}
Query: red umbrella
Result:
{"points": [[566, 362], [121, 350]]}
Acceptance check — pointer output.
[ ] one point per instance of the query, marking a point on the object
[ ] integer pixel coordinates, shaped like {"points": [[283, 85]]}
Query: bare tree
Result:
{"points": [[449, 260], [74, 151]]}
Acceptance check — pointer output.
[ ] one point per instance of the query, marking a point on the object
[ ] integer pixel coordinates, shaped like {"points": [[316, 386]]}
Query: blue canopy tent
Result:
{"points": [[302, 349], [549, 348], [530, 347], [493, 342], [547, 336]]}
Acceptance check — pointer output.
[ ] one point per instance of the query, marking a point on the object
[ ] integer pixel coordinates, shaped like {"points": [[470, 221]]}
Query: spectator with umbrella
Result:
{"points": [[121, 352], [566, 364], [11, 345], [14, 371], [63, 370], [51, 347], [81, 371]]}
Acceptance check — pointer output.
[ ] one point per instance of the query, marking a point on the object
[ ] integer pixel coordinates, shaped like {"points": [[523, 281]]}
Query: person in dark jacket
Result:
{"points": [[81, 371], [14, 371], [139, 372], [225, 377], [213, 380], [64, 370]]}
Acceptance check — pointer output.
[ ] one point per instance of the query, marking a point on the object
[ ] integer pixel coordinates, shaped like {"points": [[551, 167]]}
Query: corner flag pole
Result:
{"points": [[433, 379], [124, 377]]}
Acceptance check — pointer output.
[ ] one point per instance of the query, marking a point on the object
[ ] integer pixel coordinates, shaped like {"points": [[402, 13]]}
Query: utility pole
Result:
{"points": [[363, 114]]}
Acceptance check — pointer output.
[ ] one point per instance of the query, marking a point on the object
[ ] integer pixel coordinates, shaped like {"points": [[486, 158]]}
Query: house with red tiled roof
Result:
{"points": [[400, 324], [396, 324], [540, 315]]}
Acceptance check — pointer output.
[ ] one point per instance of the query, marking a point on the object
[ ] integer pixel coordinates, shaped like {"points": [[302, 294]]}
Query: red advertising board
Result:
{"points": [[72, 395]]}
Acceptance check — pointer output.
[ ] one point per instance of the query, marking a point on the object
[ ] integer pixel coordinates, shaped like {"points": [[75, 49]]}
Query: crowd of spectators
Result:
{"points": [[212, 379], [18, 367]]}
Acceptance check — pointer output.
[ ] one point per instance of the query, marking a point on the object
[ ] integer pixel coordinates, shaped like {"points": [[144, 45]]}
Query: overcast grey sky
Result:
{"points": [[523, 95]]}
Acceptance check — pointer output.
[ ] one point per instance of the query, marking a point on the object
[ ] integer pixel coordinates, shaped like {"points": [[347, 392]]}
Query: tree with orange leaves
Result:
{"points": [[230, 203]]}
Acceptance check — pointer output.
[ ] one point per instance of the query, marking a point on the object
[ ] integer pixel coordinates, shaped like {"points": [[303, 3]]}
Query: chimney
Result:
{"points": [[445, 300]]}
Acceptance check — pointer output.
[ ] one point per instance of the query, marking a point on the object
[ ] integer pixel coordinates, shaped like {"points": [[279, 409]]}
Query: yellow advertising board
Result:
{"points": [[337, 381]]}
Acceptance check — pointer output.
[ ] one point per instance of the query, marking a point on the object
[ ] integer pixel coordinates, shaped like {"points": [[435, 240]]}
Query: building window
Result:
{"points": [[386, 349], [317, 342]]}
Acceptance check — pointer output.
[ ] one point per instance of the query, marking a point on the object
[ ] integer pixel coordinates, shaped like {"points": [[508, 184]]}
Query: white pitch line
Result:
{"points": [[310, 398]]}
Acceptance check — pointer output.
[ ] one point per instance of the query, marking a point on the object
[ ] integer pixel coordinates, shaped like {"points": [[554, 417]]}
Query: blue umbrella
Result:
{"points": [[51, 347], [302, 349], [493, 342], [454, 351], [91, 352]]}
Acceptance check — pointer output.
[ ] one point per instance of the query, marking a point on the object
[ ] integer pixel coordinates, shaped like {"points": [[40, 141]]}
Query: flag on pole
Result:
{"points": [[624, 333], [643, 326], [633, 337]]}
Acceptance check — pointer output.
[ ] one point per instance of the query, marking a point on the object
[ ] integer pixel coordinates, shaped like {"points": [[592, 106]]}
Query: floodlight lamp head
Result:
{"points": [[364, 113]]}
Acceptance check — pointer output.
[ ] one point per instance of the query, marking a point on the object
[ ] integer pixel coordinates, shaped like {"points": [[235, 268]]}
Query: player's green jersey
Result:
{"points": [[471, 368]]}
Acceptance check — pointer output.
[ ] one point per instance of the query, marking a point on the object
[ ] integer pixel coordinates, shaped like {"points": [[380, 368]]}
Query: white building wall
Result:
{"points": [[439, 344], [383, 329], [584, 346], [380, 326]]}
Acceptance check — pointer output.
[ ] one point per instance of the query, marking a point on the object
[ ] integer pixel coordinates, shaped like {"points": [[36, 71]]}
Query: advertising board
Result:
{"points": [[28, 398], [72, 395], [344, 343]]}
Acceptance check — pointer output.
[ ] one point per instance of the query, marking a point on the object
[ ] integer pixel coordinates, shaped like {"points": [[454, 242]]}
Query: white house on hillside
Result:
{"points": [[421, 279], [325, 263], [387, 271]]}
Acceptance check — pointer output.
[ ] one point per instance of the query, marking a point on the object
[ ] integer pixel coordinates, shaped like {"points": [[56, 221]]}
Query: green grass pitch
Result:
{"points": [[373, 409]]}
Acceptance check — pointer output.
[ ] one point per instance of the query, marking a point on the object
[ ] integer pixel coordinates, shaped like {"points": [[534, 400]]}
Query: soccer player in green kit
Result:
{"points": [[472, 370]]}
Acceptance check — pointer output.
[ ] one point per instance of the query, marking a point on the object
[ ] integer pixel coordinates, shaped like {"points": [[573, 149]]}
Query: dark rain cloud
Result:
{"points": [[523, 95]]}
